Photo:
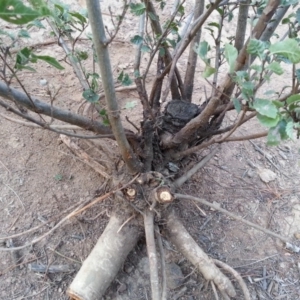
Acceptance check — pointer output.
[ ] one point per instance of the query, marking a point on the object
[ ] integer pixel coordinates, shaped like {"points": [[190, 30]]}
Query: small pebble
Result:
{"points": [[297, 235]]}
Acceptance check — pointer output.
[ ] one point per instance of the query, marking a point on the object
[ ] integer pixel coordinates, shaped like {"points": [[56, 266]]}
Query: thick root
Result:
{"points": [[189, 248], [104, 262]]}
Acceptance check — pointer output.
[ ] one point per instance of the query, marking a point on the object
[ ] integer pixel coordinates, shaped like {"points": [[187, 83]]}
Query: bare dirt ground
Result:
{"points": [[40, 178]]}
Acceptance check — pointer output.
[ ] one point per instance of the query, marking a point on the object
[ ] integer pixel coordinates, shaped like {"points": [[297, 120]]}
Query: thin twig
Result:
{"points": [[181, 180], [74, 213], [128, 220], [238, 218], [15, 194]]}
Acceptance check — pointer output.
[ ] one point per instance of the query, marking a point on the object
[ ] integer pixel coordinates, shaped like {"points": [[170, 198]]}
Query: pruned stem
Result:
{"points": [[104, 262], [151, 249]]}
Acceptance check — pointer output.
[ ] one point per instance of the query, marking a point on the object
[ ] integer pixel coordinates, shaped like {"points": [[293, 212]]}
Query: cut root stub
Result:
{"points": [[130, 194], [163, 195]]}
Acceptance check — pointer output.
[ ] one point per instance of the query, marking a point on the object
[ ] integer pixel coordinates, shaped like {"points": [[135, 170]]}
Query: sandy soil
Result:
{"points": [[40, 178]]}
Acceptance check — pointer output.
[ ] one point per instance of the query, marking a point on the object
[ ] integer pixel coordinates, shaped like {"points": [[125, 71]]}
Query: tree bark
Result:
{"points": [[190, 249], [100, 42], [193, 56], [104, 262], [40, 107]]}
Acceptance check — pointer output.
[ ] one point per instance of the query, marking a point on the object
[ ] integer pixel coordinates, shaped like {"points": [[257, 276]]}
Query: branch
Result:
{"points": [[193, 56], [227, 87], [190, 249], [38, 106], [236, 275], [241, 24], [74, 63], [193, 31], [120, 20], [181, 180], [163, 262], [151, 250], [100, 42], [219, 140], [231, 215], [156, 27]]}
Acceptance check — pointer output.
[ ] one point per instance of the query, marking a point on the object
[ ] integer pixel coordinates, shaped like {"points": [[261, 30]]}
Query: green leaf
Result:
{"points": [[278, 104], [247, 88], [145, 48], [137, 40], [90, 96], [237, 104], [268, 122], [23, 33], [120, 77], [298, 74], [162, 52], [14, 11], [230, 55], [292, 99], [275, 67], [287, 48], [214, 24], [130, 104], [265, 108], [58, 177], [256, 47], [37, 23], [257, 68], [82, 19], [277, 134], [126, 80], [82, 55], [289, 129], [6, 33], [208, 71], [138, 8], [298, 15], [50, 60], [202, 50]]}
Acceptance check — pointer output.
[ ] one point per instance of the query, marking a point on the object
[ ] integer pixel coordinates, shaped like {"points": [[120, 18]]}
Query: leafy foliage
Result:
{"points": [[16, 12]]}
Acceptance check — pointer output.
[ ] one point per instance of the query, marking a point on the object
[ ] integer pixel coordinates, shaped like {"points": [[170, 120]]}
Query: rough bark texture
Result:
{"points": [[100, 43], [106, 259], [189, 248], [193, 56], [241, 24], [38, 106]]}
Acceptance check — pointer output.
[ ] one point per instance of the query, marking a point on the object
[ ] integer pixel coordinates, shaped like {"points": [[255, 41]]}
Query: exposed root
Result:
{"points": [[181, 180], [151, 249], [236, 275], [190, 249], [163, 263], [105, 260], [235, 217]]}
